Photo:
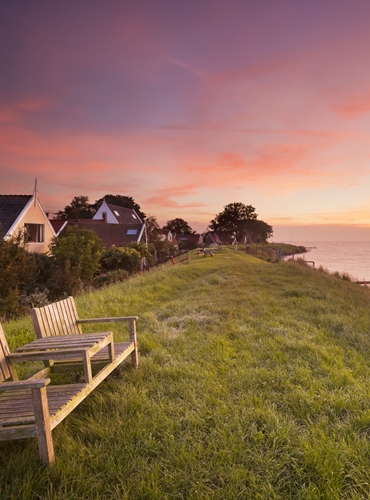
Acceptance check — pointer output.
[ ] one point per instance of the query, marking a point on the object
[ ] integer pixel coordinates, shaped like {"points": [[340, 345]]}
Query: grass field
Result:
{"points": [[253, 384]]}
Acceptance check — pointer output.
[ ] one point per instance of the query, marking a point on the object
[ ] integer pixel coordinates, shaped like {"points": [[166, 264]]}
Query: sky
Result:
{"points": [[189, 105]]}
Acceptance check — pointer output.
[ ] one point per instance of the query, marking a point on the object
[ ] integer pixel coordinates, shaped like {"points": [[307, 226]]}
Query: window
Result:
{"points": [[131, 232], [34, 233]]}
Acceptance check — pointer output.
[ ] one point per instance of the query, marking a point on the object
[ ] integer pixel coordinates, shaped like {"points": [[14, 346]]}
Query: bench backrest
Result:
{"points": [[7, 370], [59, 318]]}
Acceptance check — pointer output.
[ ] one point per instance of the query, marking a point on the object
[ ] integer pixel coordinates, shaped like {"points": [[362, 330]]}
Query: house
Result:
{"points": [[24, 214], [113, 214], [211, 238], [188, 240], [112, 234], [114, 225]]}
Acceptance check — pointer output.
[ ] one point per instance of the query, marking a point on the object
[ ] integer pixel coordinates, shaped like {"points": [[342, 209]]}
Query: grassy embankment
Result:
{"points": [[253, 384]]}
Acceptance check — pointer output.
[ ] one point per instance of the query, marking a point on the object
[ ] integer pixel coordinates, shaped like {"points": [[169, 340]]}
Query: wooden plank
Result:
{"points": [[5, 368], [99, 360], [74, 315], [18, 432], [24, 384], [135, 352], [59, 318], [108, 320], [37, 322], [44, 438], [45, 314], [48, 355], [54, 319], [87, 367]]}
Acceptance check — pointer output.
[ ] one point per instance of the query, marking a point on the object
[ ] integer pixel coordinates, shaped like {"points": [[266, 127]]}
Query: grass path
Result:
{"points": [[253, 384]]}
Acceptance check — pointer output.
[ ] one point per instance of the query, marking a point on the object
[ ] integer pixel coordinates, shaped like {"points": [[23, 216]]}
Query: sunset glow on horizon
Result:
{"points": [[189, 106]]}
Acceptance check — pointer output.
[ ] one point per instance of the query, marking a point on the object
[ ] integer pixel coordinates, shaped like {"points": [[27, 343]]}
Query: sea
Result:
{"points": [[352, 258]]}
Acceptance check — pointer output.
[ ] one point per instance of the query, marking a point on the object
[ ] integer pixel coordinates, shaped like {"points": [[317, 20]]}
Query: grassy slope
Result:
{"points": [[253, 383]]}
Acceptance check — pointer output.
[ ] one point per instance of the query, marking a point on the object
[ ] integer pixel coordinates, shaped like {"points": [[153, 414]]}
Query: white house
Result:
{"points": [[113, 214], [24, 213]]}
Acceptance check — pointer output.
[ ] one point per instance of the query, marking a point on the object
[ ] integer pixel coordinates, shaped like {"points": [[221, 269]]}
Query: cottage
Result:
{"points": [[24, 214]]}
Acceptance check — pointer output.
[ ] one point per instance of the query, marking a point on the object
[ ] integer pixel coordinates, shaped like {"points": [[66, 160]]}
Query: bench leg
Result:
{"points": [[44, 438], [135, 352]]}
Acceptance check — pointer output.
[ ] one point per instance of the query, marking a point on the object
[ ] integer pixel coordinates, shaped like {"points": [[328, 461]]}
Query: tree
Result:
{"points": [[234, 219], [120, 201], [240, 219], [78, 250], [79, 208], [260, 231], [152, 229], [177, 226]]}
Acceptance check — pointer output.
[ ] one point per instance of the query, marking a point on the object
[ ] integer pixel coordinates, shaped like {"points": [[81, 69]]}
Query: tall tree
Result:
{"points": [[79, 208], [152, 229], [241, 220], [120, 201], [177, 226], [234, 219], [260, 231]]}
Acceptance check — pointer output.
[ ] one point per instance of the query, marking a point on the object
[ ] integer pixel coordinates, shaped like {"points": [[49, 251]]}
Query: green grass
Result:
{"points": [[253, 384]]}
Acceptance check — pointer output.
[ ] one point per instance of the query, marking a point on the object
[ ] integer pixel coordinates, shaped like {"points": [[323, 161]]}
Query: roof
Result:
{"points": [[194, 238], [111, 234], [124, 215], [57, 224], [11, 206]]}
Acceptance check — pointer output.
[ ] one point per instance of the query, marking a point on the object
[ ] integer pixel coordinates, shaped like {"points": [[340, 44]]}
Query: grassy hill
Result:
{"points": [[253, 384]]}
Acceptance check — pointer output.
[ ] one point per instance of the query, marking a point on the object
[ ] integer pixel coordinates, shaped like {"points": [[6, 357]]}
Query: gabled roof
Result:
{"points": [[58, 225], [124, 215], [112, 234], [193, 238], [11, 206]]}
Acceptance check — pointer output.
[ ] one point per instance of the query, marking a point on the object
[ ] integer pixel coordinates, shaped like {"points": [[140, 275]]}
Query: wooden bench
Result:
{"points": [[61, 318], [32, 408]]}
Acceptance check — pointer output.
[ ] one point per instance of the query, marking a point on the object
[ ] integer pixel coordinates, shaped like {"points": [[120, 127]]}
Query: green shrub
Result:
{"points": [[17, 272], [120, 258], [82, 249], [109, 278]]}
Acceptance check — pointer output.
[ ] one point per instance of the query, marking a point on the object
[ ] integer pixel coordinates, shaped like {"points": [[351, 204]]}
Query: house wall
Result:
{"points": [[110, 217], [35, 215]]}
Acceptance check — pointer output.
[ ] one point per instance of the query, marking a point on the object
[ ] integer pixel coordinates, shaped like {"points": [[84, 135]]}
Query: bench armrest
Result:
{"points": [[24, 384], [22, 357], [107, 320]]}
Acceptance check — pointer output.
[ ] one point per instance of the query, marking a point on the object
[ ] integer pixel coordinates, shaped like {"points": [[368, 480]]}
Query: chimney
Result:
{"points": [[104, 217]]}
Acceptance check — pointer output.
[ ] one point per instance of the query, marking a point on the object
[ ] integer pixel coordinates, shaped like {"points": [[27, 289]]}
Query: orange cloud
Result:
{"points": [[353, 107], [169, 197]]}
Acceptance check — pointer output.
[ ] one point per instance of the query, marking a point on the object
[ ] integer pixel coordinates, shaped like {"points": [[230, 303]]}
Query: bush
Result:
{"points": [[121, 258], [17, 273], [82, 249], [109, 278]]}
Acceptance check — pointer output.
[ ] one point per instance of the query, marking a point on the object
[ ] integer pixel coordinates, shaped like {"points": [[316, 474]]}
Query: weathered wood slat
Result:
{"points": [[4, 351], [107, 320]]}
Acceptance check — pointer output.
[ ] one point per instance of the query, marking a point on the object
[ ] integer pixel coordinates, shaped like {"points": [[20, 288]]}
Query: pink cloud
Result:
{"points": [[170, 197], [16, 111], [353, 107]]}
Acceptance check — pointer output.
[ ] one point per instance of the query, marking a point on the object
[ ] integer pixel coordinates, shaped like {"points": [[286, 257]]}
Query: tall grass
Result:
{"points": [[253, 384]]}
